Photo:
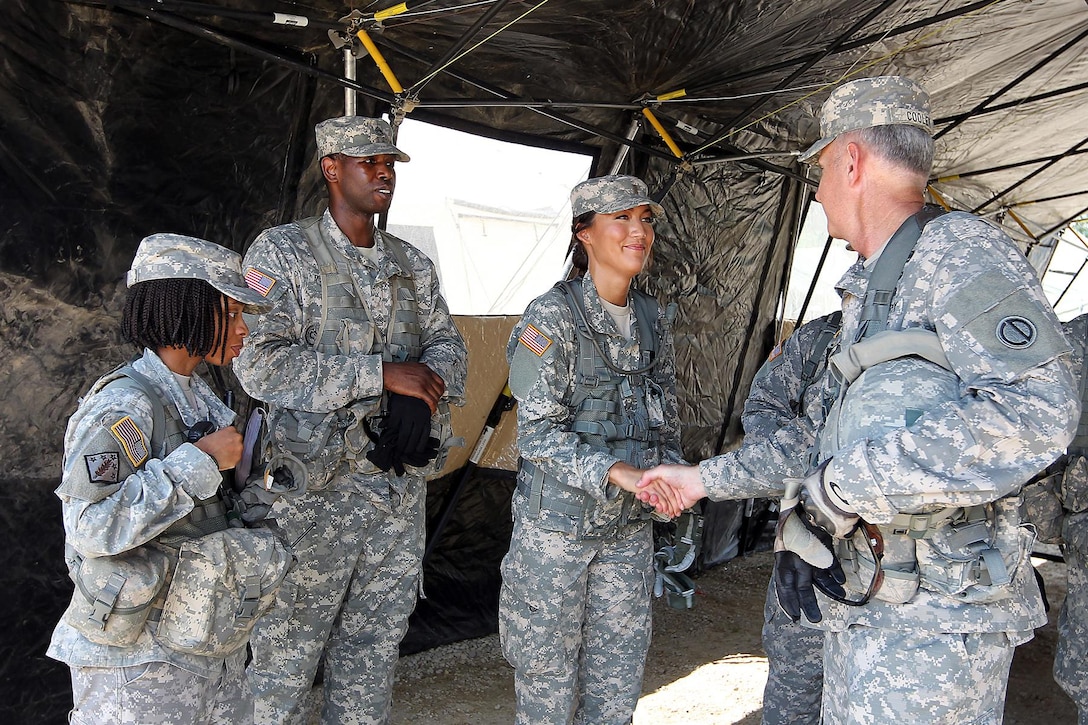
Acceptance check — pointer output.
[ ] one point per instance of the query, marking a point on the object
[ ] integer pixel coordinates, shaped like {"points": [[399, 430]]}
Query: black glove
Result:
{"points": [[795, 581], [405, 438]]}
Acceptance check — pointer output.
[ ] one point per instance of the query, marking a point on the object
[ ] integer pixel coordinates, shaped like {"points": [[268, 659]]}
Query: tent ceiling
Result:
{"points": [[1009, 78]]}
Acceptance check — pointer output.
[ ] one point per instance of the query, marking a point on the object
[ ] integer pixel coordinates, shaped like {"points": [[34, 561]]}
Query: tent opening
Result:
{"points": [[494, 216]]}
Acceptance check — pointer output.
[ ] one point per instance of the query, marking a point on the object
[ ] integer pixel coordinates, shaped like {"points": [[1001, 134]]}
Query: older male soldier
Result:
{"points": [[926, 449], [357, 361]]}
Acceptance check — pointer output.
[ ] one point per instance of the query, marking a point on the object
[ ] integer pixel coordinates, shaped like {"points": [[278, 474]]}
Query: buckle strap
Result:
{"points": [[919, 526]]}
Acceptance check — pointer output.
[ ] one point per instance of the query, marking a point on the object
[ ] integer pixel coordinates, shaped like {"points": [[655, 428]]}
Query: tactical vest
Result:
{"points": [[631, 432], [167, 433], [318, 442], [985, 545], [1079, 446]]}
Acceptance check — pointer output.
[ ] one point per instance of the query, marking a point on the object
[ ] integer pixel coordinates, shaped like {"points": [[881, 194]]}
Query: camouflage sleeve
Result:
{"points": [[276, 364], [756, 469], [665, 376], [444, 350], [774, 398], [541, 354], [114, 495], [1018, 408]]}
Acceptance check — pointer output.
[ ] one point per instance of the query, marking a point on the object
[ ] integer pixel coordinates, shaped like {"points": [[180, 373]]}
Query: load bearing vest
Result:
{"points": [[316, 442], [631, 432]]}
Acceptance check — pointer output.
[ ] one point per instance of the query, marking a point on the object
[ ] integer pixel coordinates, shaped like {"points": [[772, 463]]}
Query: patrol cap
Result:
{"points": [[868, 102], [356, 136], [175, 256], [607, 194]]}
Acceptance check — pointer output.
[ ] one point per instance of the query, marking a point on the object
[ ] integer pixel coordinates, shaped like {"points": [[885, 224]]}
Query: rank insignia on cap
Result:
{"points": [[259, 281], [103, 467], [535, 340], [131, 439]]}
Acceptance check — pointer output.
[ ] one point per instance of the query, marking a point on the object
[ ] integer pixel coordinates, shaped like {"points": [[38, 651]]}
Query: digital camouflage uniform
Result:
{"points": [[574, 612], [362, 531], [113, 502], [785, 388], [1016, 411], [1058, 506]]}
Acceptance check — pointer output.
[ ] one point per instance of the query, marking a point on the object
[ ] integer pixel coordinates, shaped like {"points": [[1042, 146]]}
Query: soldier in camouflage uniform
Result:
{"points": [[574, 612], [1058, 506], [785, 400], [940, 486], [375, 351], [120, 493]]}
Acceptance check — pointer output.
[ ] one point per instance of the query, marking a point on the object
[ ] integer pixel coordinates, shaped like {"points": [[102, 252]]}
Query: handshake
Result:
{"points": [[813, 514]]}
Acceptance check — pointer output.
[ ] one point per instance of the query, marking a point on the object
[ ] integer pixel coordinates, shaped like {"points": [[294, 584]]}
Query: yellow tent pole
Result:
{"points": [[379, 60], [662, 132]]}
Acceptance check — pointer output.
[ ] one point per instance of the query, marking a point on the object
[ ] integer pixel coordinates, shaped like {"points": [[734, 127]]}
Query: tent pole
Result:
{"points": [[1005, 167], [621, 155], [1012, 84], [1012, 104], [845, 46], [1027, 178], [349, 73], [1065, 223], [833, 48], [1071, 281], [1050, 198], [753, 318], [457, 46]]}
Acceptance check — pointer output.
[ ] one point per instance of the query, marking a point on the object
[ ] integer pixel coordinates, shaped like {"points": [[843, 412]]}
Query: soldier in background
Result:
{"points": [[785, 389], [1058, 506], [357, 360]]}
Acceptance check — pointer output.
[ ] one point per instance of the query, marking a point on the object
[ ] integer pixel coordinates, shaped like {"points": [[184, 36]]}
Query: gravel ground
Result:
{"points": [[706, 665]]}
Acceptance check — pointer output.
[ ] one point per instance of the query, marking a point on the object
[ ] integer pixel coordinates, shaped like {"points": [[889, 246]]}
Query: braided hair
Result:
{"points": [[176, 313]]}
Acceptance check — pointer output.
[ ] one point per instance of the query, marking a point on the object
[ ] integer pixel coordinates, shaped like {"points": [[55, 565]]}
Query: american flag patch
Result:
{"points": [[258, 280], [131, 439], [535, 340], [775, 352]]}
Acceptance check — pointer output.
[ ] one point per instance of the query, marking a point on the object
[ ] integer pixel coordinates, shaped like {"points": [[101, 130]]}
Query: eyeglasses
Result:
{"points": [[875, 542]]}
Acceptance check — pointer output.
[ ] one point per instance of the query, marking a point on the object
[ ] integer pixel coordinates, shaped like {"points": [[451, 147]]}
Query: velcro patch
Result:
{"points": [[259, 281], [131, 439], [535, 340], [103, 467]]}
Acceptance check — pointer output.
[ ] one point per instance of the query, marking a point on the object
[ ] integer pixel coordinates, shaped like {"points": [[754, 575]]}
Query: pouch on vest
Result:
{"points": [[974, 558], [114, 594], [222, 583], [899, 572]]}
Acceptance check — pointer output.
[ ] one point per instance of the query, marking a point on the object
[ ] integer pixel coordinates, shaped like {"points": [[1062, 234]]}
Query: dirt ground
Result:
{"points": [[705, 666]]}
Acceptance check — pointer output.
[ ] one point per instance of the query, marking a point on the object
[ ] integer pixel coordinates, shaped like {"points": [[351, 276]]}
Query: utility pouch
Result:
{"points": [[974, 559], [114, 594], [222, 583], [898, 570], [314, 439]]}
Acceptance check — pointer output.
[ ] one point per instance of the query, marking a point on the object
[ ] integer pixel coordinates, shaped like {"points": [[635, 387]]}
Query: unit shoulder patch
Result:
{"points": [[103, 467], [131, 439], [535, 340]]}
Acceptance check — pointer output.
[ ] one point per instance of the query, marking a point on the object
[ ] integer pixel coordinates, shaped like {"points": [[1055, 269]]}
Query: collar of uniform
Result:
{"points": [[854, 280], [386, 264], [598, 317], [154, 369]]}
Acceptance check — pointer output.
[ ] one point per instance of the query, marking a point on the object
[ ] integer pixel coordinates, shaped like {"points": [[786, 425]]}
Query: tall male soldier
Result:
{"points": [[359, 345], [924, 455]]}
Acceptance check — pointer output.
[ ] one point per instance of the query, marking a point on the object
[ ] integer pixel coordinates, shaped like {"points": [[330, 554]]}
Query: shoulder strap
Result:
{"points": [[127, 377], [819, 349], [889, 268], [575, 299]]}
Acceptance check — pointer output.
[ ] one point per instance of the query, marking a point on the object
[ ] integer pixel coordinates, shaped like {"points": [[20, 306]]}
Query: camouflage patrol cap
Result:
{"points": [[868, 102], [356, 136], [607, 194], [174, 256]]}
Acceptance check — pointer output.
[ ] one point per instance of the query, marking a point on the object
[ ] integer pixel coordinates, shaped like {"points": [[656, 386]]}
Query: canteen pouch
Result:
{"points": [[114, 594], [222, 583], [900, 572]]}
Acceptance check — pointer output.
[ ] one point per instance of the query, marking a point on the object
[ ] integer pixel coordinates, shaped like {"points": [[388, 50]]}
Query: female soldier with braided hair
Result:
{"points": [[126, 483]]}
